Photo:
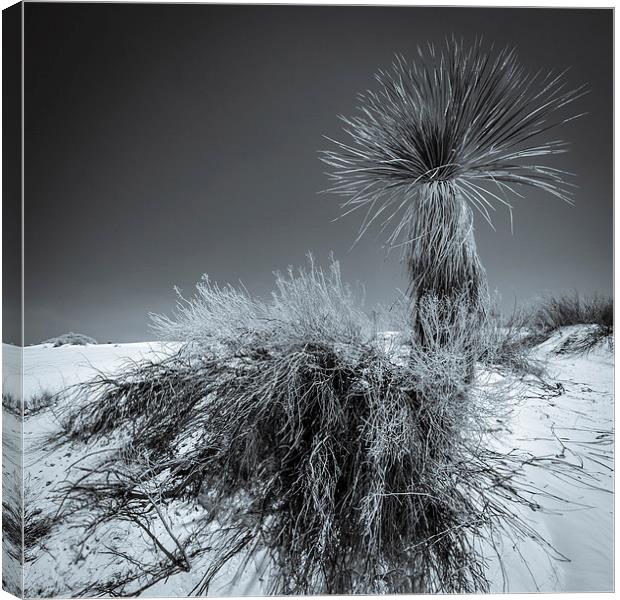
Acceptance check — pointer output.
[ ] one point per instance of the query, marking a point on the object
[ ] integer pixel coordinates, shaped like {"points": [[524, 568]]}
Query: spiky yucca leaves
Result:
{"points": [[457, 130]]}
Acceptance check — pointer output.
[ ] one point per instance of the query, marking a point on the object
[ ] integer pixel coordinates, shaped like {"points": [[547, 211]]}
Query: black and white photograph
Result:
{"points": [[307, 299]]}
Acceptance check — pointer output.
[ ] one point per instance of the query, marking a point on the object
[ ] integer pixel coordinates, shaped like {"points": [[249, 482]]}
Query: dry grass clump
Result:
{"points": [[552, 313], [356, 465], [11, 404], [20, 543], [12, 524], [39, 402], [555, 312], [36, 404], [510, 340], [596, 336], [12, 542]]}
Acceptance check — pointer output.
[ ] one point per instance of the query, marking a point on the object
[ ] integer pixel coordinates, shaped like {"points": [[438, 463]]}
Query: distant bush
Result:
{"points": [[353, 460], [70, 339]]}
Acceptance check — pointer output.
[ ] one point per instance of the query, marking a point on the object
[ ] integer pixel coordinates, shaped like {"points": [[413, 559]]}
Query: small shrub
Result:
{"points": [[509, 345], [358, 465], [70, 339]]}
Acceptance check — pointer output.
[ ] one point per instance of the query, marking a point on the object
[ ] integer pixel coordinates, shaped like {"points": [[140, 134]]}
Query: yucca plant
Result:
{"points": [[460, 129]]}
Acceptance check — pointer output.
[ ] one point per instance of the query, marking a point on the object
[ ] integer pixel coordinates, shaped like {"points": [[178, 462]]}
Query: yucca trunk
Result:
{"points": [[442, 260]]}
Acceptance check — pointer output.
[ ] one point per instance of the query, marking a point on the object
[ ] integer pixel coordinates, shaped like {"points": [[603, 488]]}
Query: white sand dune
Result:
{"points": [[572, 419], [574, 423]]}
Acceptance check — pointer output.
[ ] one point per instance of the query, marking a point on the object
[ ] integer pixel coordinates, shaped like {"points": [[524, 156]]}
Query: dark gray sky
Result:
{"points": [[166, 141]]}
